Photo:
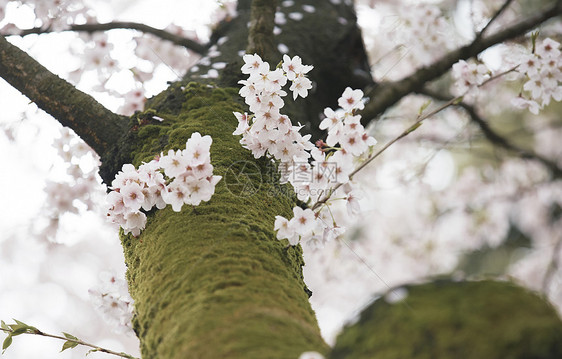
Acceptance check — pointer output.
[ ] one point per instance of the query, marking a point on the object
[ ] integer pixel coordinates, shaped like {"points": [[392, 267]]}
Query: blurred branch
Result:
{"points": [[386, 94], [97, 126], [494, 137], [91, 28], [260, 36], [494, 17]]}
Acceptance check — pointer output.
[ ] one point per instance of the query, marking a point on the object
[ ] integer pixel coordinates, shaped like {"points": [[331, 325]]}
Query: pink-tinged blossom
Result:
{"points": [[303, 222], [197, 149], [174, 163], [292, 67], [133, 196], [193, 182], [134, 222], [243, 123], [543, 77], [332, 119], [177, 195], [530, 65], [351, 100], [300, 87], [113, 301], [284, 232], [548, 48], [115, 202], [352, 200], [267, 132], [201, 190], [127, 175], [468, 76], [522, 103], [254, 64]]}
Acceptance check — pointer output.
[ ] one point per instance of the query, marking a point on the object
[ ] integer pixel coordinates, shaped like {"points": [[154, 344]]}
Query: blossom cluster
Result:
{"points": [[112, 300], [75, 191], [543, 71], [54, 14], [468, 76], [314, 171], [424, 31], [177, 178]]}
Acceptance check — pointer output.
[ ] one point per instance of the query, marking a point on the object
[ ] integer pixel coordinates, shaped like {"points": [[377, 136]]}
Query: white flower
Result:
{"points": [[351, 100], [534, 86], [133, 196], [111, 298], [530, 65], [135, 222], [115, 202], [292, 67], [174, 163], [300, 86], [303, 222], [176, 195], [332, 119], [254, 64], [284, 232], [127, 174], [199, 190], [522, 103], [548, 48], [243, 123], [197, 149], [352, 201]]}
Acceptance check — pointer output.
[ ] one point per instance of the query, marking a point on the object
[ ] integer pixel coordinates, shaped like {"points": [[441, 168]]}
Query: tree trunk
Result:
{"points": [[212, 281]]}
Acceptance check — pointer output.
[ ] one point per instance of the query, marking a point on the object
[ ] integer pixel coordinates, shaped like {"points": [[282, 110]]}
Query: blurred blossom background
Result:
{"points": [[443, 201]]}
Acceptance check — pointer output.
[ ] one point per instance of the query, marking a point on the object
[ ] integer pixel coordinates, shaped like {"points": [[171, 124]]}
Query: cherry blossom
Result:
{"points": [[112, 300], [190, 180], [312, 173], [468, 76], [543, 77]]}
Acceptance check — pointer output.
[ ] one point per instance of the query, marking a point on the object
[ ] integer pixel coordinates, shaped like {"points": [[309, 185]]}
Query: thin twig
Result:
{"points": [[405, 133], [91, 28], [412, 128], [35, 331]]}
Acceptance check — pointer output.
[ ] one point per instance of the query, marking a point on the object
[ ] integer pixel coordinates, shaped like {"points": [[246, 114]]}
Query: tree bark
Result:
{"points": [[96, 125], [212, 281]]}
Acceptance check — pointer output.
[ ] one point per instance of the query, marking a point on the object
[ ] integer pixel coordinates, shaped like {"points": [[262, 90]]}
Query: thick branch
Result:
{"points": [[260, 36], [497, 139], [91, 28], [96, 125], [387, 94]]}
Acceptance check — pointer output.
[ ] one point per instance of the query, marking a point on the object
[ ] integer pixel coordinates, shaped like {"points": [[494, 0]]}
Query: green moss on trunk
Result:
{"points": [[212, 281], [444, 319]]}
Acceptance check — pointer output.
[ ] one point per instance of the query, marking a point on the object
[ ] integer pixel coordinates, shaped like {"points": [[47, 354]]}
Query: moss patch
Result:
{"points": [[447, 319], [212, 281]]}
